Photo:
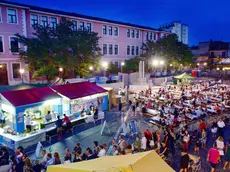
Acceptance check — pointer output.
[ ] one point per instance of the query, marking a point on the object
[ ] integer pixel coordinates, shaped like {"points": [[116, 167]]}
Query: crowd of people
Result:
{"points": [[173, 133]]}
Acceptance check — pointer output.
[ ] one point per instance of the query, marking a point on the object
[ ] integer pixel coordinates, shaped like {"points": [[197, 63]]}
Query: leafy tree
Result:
{"points": [[131, 65], [113, 68], [50, 49], [169, 48]]}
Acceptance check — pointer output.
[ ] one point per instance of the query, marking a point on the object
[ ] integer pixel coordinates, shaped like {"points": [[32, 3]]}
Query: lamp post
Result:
{"points": [[105, 66], [91, 69], [22, 71], [60, 71], [122, 64]]}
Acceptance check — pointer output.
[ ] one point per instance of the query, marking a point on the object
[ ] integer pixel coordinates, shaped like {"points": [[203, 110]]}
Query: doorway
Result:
{"points": [[3, 74]]}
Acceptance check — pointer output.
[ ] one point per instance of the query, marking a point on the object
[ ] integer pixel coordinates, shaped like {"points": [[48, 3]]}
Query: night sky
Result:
{"points": [[207, 19]]}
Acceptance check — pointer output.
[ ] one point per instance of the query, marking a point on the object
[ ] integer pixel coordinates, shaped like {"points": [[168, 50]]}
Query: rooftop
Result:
{"points": [[73, 14]]}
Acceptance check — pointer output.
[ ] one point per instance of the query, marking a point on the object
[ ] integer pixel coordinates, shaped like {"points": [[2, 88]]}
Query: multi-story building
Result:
{"points": [[211, 50], [119, 41], [178, 28]]}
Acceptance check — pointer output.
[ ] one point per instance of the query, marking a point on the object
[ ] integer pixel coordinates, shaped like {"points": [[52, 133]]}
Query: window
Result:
{"points": [[53, 22], [116, 49], [151, 36], [1, 44], [137, 34], [12, 16], [14, 45], [81, 26], [104, 29], [137, 50], [33, 19], [74, 25], [16, 68], [128, 50], [128, 33], [104, 49], [133, 50], [0, 15], [110, 30], [116, 63], [154, 36], [89, 28], [147, 35], [44, 21], [116, 31], [110, 49], [133, 33]]}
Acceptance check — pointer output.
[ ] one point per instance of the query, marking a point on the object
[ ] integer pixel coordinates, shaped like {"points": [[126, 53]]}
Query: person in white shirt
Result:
{"points": [[221, 126], [220, 146], [28, 122], [143, 142], [115, 151], [102, 151]]}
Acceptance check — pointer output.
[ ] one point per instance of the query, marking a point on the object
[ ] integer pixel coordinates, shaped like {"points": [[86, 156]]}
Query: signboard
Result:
{"points": [[38, 149]]}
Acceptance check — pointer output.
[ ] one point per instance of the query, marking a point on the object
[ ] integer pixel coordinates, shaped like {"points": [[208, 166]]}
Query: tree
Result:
{"points": [[50, 49], [131, 65], [169, 48]]}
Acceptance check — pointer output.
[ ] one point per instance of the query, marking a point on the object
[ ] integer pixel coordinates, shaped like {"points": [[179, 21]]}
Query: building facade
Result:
{"points": [[211, 50], [178, 28], [118, 41]]}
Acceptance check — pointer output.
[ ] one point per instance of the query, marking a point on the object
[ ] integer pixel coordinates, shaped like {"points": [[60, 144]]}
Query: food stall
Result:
{"points": [[37, 104], [19, 107], [78, 97]]}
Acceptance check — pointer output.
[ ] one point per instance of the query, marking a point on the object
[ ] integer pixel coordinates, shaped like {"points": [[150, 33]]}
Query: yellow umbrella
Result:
{"points": [[141, 162]]}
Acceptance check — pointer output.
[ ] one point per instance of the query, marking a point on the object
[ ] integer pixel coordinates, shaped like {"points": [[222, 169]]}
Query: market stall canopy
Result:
{"points": [[140, 162], [184, 76], [29, 96], [78, 90]]}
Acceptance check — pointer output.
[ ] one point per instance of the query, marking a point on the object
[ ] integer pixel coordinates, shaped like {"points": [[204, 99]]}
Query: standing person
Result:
{"points": [[227, 158], [68, 123], [90, 154], [184, 161], [56, 159], [134, 108], [28, 165], [137, 144], [221, 126], [203, 138], [202, 125], [148, 136], [214, 127], [59, 128], [102, 151], [37, 166], [77, 148], [186, 139], [115, 150], [213, 157], [28, 122], [171, 140], [96, 147], [143, 143], [122, 143], [68, 155], [220, 147]]}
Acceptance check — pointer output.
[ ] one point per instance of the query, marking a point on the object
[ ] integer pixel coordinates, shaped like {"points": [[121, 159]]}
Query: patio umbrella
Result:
{"points": [[184, 76]]}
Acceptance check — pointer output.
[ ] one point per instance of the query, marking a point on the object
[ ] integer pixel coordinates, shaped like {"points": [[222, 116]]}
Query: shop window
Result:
{"points": [[33, 19]]}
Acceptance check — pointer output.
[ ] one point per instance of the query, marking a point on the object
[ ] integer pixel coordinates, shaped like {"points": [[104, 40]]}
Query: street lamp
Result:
{"points": [[91, 68], [60, 69], [105, 66], [22, 71], [205, 64], [162, 62], [122, 64], [170, 65]]}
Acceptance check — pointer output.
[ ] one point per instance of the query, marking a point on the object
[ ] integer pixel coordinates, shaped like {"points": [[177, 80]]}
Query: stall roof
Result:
{"points": [[30, 96], [78, 90]]}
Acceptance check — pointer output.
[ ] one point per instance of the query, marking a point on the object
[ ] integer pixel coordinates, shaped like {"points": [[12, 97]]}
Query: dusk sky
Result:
{"points": [[207, 19]]}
